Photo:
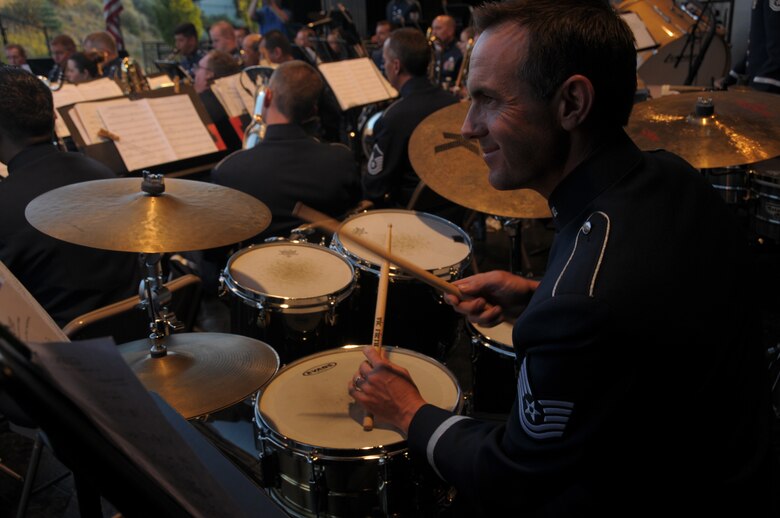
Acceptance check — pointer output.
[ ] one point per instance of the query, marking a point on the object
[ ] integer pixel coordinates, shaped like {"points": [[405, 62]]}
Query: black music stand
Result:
{"points": [[101, 468]]}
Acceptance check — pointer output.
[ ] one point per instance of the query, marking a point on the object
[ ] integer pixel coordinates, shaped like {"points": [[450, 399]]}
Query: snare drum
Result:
{"points": [[493, 368], [765, 186], [416, 315], [317, 458], [288, 294], [668, 23], [730, 182]]}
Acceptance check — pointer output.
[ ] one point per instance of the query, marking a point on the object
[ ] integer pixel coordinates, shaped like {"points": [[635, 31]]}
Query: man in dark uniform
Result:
{"points": [[635, 395], [390, 178], [223, 39], [185, 39], [448, 56], [62, 47], [67, 280], [760, 68], [212, 66], [105, 45], [288, 165], [383, 30]]}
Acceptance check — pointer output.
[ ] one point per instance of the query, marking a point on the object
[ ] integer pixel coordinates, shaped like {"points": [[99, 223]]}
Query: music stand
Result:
{"points": [[173, 69], [101, 468]]}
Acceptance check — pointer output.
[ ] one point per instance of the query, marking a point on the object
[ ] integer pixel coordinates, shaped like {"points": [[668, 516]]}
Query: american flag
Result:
{"points": [[111, 10]]}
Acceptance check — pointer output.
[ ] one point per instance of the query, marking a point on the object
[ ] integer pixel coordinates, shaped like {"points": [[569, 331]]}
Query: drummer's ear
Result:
{"points": [[574, 101]]}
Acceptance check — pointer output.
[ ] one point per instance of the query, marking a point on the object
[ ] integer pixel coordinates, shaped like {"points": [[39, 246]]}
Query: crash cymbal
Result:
{"points": [[453, 168], [738, 127], [203, 372], [117, 215]]}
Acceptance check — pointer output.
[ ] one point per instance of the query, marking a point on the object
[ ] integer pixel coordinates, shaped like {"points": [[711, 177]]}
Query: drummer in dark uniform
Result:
{"points": [[390, 179], [640, 386]]}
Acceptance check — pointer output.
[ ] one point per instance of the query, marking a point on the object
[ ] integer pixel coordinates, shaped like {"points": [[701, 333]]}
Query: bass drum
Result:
{"points": [[318, 461], [669, 23]]}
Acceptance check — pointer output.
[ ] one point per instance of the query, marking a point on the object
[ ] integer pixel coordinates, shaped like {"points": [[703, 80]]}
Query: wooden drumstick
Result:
{"points": [[379, 313], [331, 225]]}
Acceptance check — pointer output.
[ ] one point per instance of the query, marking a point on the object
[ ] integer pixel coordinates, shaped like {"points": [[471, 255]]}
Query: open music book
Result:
{"points": [[235, 93], [90, 91], [148, 132], [357, 82]]}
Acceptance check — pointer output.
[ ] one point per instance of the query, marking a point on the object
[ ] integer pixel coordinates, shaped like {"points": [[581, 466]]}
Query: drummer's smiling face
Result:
{"points": [[517, 131]]}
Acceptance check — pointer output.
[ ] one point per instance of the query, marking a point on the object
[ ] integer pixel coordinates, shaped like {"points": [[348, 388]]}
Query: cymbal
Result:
{"points": [[744, 127], [203, 372], [117, 215], [453, 168]]}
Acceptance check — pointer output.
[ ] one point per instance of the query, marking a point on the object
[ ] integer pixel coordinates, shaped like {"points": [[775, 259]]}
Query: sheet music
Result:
{"points": [[246, 92], [93, 375], [102, 88], [182, 126], [644, 40], [87, 118], [159, 81], [68, 94], [356, 82], [22, 314], [227, 93], [142, 142]]}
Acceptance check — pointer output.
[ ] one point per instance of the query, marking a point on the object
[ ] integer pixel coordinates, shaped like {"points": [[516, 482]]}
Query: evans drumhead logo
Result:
{"points": [[319, 369]]}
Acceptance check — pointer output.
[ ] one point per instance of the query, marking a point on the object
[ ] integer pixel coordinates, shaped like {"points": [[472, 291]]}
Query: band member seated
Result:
{"points": [[448, 55], [61, 47], [276, 48], [289, 165], [634, 394], [306, 41], [188, 52], [250, 50], [105, 45], [83, 67], [223, 39], [67, 280], [383, 30], [17, 56], [390, 179], [212, 66]]}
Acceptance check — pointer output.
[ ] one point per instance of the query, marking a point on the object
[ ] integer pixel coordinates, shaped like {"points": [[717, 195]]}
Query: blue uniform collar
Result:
{"points": [[616, 156]]}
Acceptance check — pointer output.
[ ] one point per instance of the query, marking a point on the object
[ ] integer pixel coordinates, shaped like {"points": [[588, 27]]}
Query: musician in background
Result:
{"points": [[403, 13], [383, 30], [448, 56], [250, 50], [82, 67], [390, 179], [67, 280], [634, 396], [61, 47], [272, 16], [188, 52], [463, 41], [337, 50], [17, 56], [760, 67], [276, 48], [212, 66], [289, 165], [223, 39], [305, 40], [240, 33], [104, 44]]}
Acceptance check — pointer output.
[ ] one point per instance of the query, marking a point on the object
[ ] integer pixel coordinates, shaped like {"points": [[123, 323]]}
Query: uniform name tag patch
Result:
{"points": [[541, 418]]}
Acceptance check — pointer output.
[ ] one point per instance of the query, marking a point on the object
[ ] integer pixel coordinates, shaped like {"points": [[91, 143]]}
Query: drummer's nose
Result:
{"points": [[472, 127]]}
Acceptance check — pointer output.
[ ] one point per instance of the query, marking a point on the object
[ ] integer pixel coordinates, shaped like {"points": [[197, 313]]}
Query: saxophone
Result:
{"points": [[131, 77], [255, 131]]}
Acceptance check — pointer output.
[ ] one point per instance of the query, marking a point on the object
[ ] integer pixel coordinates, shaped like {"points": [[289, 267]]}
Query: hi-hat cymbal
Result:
{"points": [[742, 128], [117, 215], [203, 372], [453, 168]]}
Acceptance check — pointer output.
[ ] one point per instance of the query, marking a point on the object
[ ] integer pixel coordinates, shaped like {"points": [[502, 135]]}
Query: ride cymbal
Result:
{"points": [[203, 372], [118, 215], [453, 168], [710, 129]]}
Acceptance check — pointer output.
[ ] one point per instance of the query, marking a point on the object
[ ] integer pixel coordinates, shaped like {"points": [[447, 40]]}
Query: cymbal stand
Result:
{"points": [[155, 297], [519, 263]]}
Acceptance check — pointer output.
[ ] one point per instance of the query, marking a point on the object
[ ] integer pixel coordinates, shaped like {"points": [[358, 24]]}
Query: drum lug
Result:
{"points": [[318, 492], [383, 483], [263, 316], [268, 470], [330, 318]]}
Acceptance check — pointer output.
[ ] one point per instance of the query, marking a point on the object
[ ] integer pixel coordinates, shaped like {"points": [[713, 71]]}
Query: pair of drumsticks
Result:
{"points": [[331, 225]]}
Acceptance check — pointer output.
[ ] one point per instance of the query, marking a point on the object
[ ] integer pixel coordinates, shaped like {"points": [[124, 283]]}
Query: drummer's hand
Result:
{"points": [[386, 390], [496, 296]]}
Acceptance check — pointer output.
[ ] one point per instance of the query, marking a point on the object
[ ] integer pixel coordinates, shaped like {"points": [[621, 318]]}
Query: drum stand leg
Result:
{"points": [[519, 262]]}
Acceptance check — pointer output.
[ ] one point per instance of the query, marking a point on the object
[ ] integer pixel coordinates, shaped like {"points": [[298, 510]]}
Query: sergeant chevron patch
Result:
{"points": [[541, 418], [375, 161]]}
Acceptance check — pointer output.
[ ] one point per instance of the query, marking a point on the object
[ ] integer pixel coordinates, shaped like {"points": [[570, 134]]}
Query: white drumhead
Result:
{"points": [[290, 270], [500, 334], [425, 240], [308, 401]]}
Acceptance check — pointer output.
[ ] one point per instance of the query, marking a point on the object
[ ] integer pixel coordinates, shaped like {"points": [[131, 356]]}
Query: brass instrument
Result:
{"points": [[434, 68], [463, 72], [255, 131], [131, 77]]}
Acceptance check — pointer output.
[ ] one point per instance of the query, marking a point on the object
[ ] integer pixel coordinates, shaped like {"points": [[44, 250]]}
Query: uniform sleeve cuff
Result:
{"points": [[427, 427]]}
